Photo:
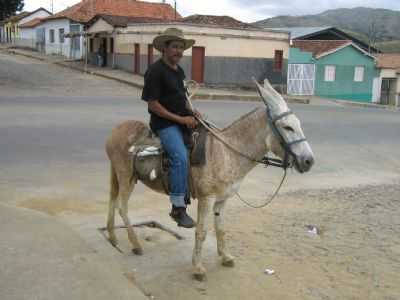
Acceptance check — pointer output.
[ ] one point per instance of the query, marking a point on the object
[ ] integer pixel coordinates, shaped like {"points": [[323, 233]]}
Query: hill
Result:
{"points": [[382, 25]]}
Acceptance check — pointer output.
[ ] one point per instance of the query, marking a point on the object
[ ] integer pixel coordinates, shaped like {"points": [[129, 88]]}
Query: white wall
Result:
{"points": [[39, 14], [56, 47], [219, 42]]}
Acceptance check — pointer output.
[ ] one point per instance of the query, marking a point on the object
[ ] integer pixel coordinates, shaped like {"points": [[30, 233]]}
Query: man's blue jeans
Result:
{"points": [[172, 142]]}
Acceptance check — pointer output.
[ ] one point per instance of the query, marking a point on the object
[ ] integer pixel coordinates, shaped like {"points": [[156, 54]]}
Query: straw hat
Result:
{"points": [[171, 34]]}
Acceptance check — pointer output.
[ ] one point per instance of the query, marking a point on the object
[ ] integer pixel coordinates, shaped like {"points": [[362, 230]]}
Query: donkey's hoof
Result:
{"points": [[228, 261], [199, 273], [200, 277], [137, 251], [113, 243]]}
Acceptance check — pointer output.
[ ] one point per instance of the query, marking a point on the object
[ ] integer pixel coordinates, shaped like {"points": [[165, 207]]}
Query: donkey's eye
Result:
{"points": [[288, 128]]}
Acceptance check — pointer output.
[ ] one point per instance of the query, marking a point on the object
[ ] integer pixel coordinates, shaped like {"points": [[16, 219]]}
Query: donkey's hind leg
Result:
{"points": [[112, 206], [227, 259], [125, 190]]}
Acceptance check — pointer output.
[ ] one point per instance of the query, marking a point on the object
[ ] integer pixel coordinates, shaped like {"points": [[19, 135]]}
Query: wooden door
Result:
{"points": [[137, 59], [198, 57], [150, 55]]}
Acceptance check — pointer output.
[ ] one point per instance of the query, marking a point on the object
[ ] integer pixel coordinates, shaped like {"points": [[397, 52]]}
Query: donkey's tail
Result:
{"points": [[114, 185]]}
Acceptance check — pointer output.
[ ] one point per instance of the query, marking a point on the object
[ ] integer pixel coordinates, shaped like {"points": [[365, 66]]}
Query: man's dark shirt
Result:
{"points": [[163, 83]]}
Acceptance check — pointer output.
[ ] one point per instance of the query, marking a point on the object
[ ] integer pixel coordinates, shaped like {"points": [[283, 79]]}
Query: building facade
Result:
{"points": [[221, 56], [332, 69], [389, 76]]}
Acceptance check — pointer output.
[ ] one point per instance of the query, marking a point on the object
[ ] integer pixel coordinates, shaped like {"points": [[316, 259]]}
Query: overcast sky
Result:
{"points": [[245, 10]]}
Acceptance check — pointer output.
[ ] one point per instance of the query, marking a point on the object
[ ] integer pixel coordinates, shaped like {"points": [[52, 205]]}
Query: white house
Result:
{"points": [[27, 34], [62, 32], [51, 33]]}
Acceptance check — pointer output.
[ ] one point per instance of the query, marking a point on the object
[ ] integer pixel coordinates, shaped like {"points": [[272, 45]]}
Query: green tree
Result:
{"points": [[10, 7]]}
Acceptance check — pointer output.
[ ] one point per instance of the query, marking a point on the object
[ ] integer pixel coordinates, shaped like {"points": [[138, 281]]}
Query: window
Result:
{"points": [[111, 45], [61, 35], [91, 45], [278, 62], [359, 74], [330, 73], [51, 35]]}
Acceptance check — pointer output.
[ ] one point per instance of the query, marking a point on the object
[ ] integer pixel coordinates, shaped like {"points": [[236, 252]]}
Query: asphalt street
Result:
{"points": [[54, 122]]}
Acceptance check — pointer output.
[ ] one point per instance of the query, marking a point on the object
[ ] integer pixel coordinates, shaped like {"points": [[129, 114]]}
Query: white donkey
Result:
{"points": [[229, 158]]}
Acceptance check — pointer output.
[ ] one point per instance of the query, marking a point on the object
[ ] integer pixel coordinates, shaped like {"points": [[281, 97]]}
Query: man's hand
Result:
{"points": [[197, 114], [189, 122]]}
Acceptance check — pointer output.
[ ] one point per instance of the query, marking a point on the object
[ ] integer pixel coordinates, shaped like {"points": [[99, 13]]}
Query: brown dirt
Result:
{"points": [[354, 256]]}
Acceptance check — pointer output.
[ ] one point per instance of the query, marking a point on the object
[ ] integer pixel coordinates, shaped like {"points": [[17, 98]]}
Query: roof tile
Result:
{"points": [[318, 47], [84, 11], [388, 61], [221, 21]]}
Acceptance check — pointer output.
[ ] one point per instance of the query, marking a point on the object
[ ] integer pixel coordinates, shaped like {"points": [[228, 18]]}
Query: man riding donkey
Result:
{"points": [[171, 117]]}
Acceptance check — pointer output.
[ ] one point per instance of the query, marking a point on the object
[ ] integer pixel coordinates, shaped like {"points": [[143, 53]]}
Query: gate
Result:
{"points": [[301, 79]]}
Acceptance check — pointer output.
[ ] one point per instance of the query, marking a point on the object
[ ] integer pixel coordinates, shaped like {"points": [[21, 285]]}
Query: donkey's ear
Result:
{"points": [[271, 98]]}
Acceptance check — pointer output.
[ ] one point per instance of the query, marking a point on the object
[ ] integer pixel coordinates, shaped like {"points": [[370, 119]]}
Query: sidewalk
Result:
{"points": [[137, 80], [43, 259]]}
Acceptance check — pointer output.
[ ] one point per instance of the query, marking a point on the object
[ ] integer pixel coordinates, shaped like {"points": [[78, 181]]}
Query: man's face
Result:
{"points": [[173, 51]]}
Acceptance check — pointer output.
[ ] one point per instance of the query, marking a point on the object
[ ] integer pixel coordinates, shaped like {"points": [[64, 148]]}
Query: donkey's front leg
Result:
{"points": [[227, 259], [199, 271]]}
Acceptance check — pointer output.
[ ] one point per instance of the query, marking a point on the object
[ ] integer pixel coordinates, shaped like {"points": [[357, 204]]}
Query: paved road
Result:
{"points": [[54, 121]]}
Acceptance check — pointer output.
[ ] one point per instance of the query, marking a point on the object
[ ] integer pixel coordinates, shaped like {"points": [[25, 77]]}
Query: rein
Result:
{"points": [[266, 161]]}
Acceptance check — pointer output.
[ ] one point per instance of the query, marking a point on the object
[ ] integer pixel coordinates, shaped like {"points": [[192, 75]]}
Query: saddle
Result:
{"points": [[150, 162]]}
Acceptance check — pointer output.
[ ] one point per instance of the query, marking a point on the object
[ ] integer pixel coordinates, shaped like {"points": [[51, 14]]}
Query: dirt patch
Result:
{"points": [[58, 205], [355, 254]]}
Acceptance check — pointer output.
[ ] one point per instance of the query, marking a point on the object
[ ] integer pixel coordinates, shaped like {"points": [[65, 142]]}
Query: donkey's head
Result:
{"points": [[287, 140]]}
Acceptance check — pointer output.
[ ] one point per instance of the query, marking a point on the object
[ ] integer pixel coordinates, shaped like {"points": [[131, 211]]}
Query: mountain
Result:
{"points": [[361, 21]]}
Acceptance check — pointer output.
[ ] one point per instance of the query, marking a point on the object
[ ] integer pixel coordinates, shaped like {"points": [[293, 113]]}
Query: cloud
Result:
{"points": [[245, 10]]}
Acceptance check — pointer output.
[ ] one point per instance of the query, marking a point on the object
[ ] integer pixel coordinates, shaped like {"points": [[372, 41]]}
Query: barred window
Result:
{"points": [[51, 35], [61, 35], [359, 74], [278, 62], [330, 73]]}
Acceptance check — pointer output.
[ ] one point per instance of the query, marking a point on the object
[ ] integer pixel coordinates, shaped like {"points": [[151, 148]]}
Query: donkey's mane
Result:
{"points": [[241, 118]]}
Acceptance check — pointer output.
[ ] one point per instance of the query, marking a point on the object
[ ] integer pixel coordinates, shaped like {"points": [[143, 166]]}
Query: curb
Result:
{"points": [[366, 105], [200, 96]]}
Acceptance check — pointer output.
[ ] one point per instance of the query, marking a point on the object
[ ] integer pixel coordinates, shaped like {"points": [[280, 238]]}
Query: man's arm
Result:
{"points": [[161, 111]]}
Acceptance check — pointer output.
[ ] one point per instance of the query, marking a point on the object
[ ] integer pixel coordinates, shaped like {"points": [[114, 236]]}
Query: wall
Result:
{"points": [[58, 48], [232, 56], [344, 87], [27, 38], [297, 56]]}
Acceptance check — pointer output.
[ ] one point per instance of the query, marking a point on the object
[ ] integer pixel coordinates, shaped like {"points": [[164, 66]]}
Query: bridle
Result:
{"points": [[266, 161], [287, 146]]}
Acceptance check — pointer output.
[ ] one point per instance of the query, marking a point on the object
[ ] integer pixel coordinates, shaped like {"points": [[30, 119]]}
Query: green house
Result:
{"points": [[337, 69]]}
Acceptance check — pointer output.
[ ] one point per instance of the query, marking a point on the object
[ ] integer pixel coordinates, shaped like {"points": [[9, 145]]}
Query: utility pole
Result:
{"points": [[175, 8], [52, 6]]}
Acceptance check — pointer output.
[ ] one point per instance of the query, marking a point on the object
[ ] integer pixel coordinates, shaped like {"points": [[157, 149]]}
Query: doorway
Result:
{"points": [[198, 58]]}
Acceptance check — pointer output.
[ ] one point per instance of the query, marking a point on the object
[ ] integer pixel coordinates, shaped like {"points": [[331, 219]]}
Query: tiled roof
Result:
{"points": [[32, 23], [317, 47], [388, 61], [18, 17], [25, 14], [123, 21], [87, 9], [221, 21]]}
